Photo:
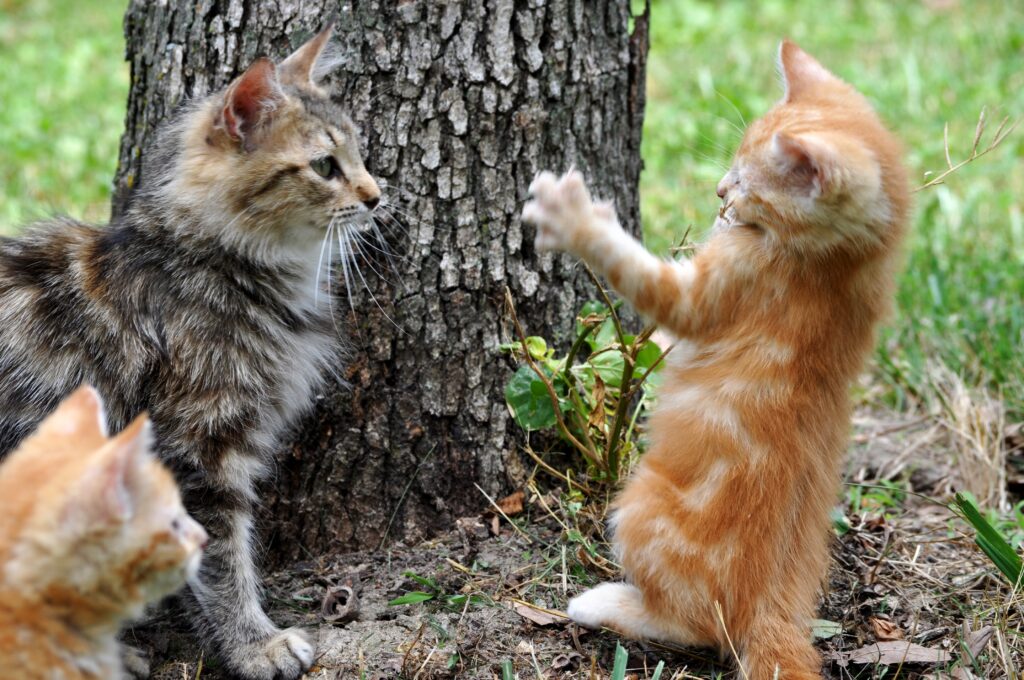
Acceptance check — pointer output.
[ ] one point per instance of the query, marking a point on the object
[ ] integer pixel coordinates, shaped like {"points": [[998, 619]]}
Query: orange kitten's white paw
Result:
{"points": [[285, 656], [605, 605], [561, 209]]}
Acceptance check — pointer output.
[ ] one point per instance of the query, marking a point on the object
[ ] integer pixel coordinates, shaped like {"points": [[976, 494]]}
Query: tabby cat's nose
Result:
{"points": [[371, 203]]}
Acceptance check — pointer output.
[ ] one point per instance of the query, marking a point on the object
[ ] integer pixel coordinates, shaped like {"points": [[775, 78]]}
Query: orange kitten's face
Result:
{"points": [[809, 174], [97, 515]]}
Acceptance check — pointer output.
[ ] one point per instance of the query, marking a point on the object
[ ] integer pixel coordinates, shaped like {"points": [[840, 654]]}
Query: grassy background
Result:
{"points": [[64, 86]]}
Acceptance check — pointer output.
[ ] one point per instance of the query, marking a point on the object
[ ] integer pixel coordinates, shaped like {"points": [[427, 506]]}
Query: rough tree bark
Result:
{"points": [[460, 103]]}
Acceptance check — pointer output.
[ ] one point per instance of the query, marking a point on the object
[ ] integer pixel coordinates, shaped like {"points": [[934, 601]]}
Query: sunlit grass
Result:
{"points": [[63, 87]]}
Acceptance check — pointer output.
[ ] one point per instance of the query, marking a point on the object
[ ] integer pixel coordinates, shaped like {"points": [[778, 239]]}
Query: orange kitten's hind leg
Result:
{"points": [[779, 649], [620, 607]]}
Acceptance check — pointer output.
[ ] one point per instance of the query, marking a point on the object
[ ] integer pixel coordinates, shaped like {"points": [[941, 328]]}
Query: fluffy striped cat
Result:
{"points": [[198, 305], [775, 315], [91, 530]]}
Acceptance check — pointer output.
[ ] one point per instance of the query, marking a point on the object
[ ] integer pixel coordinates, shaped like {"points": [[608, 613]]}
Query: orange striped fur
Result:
{"points": [[774, 315], [91, 530]]}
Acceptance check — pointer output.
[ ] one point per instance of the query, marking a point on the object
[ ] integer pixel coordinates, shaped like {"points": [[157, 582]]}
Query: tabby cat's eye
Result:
{"points": [[326, 167]]}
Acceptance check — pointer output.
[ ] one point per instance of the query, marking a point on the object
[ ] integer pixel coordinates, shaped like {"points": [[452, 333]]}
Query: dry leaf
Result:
{"points": [[512, 505], [885, 631], [977, 641], [895, 652], [537, 616]]}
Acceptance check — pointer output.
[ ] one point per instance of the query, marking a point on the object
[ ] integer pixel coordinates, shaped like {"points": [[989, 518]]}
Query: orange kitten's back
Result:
{"points": [[91, 530]]}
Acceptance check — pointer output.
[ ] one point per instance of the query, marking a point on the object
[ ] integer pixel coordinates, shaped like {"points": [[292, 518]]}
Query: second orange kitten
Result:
{"points": [[91, 530]]}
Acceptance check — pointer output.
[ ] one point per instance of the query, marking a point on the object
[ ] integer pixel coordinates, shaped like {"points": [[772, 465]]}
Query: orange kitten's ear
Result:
{"points": [[79, 418], [808, 160], [298, 68], [108, 489], [250, 100], [801, 73]]}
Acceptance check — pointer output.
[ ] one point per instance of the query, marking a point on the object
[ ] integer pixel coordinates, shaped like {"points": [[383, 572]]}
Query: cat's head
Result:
{"points": [[95, 520], [272, 157], [819, 170]]}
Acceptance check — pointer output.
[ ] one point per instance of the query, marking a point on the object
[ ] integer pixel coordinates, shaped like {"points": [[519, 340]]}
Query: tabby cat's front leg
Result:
{"points": [[568, 219], [229, 598]]}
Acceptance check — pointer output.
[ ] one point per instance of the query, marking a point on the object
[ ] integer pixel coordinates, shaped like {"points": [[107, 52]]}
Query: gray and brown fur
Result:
{"points": [[197, 305]]}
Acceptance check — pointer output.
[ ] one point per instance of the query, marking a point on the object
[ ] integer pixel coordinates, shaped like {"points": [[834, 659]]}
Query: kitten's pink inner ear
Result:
{"points": [[805, 160], [801, 73], [251, 98], [297, 69]]}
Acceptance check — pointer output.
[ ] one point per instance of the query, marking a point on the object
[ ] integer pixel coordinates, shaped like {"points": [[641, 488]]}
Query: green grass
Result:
{"points": [[63, 89], [712, 67], [64, 86]]}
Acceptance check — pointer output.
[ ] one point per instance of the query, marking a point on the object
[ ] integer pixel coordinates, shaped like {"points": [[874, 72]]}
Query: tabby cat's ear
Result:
{"points": [[250, 101], [108, 490], [809, 160], [299, 67], [801, 73]]}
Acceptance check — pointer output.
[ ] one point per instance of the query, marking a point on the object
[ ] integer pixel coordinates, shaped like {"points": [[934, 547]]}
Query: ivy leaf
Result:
{"points": [[646, 357], [528, 400], [605, 336], [609, 366]]}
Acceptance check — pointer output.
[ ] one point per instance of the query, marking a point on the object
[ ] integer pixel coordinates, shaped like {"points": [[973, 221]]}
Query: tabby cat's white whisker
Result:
{"points": [[343, 256], [320, 263], [359, 272]]}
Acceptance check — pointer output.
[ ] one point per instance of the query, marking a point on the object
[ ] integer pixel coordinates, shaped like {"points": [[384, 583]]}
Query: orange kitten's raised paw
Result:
{"points": [[563, 211], [286, 656]]}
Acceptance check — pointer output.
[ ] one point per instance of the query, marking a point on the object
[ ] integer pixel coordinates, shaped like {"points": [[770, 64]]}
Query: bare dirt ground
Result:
{"points": [[909, 594]]}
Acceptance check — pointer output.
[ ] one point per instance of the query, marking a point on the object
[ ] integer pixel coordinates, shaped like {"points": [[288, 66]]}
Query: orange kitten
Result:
{"points": [[775, 315], [91, 530]]}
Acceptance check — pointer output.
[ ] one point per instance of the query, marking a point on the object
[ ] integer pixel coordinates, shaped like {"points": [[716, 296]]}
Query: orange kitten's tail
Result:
{"points": [[779, 649]]}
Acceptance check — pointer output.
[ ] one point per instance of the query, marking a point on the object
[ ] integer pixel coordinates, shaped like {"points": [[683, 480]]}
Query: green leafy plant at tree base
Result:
{"points": [[593, 395]]}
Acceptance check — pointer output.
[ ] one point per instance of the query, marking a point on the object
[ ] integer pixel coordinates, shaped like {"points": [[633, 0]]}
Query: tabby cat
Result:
{"points": [[91, 530], [199, 306], [774, 315]]}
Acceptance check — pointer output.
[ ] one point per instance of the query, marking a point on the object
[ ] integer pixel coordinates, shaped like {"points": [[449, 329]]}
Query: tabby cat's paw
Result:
{"points": [[284, 656], [561, 209], [135, 662]]}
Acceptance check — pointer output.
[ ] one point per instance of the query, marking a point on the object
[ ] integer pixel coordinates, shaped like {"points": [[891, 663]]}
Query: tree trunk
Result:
{"points": [[460, 104]]}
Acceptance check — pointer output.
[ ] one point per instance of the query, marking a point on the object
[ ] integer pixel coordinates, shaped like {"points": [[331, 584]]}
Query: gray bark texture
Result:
{"points": [[460, 103]]}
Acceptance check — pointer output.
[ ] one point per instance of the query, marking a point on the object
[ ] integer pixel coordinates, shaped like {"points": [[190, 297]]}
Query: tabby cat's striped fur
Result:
{"points": [[198, 305]]}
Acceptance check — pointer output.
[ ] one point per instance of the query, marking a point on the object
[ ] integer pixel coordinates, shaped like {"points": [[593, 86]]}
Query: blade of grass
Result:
{"points": [[619, 667], [991, 541]]}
